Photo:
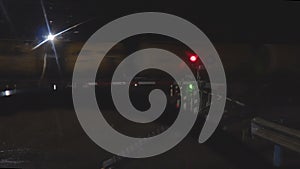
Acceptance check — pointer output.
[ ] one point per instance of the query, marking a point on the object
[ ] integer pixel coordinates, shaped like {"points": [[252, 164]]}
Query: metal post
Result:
{"points": [[277, 156]]}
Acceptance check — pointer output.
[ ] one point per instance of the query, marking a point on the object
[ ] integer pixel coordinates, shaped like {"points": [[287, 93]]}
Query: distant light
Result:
{"points": [[191, 86], [92, 83], [7, 93], [54, 87], [135, 84], [51, 37], [193, 58]]}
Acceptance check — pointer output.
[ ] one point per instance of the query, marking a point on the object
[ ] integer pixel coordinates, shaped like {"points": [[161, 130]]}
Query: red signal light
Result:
{"points": [[193, 58]]}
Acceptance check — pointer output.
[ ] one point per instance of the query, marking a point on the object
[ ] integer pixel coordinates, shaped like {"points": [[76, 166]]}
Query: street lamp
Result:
{"points": [[50, 37]]}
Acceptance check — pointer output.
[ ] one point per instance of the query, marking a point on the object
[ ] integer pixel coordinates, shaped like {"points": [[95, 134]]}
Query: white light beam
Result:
{"points": [[51, 37]]}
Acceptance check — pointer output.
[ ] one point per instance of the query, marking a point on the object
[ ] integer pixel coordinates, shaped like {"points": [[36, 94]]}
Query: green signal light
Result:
{"points": [[191, 86]]}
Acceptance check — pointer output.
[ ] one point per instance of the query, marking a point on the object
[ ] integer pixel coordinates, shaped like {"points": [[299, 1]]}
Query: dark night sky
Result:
{"points": [[222, 22]]}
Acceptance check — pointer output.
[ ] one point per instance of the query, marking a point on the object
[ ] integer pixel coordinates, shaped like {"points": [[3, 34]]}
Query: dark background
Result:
{"points": [[258, 43]]}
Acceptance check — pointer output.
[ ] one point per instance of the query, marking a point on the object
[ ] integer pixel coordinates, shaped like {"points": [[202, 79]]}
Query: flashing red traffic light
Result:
{"points": [[193, 58]]}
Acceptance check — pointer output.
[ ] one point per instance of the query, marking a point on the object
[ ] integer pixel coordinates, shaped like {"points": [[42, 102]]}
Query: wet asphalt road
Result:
{"points": [[41, 131], [53, 138]]}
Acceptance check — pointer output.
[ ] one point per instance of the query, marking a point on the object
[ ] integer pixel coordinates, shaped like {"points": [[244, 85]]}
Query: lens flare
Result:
{"points": [[50, 37]]}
